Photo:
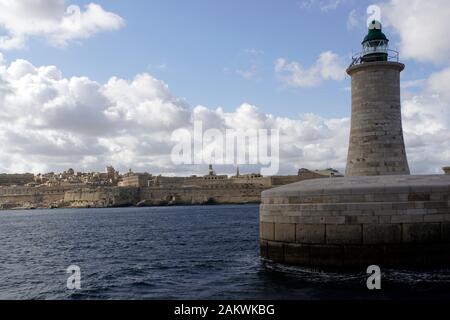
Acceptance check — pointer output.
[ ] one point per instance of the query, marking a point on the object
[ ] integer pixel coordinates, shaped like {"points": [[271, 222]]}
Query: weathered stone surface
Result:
{"points": [[382, 233], [405, 255], [263, 249], [311, 234], [343, 234], [376, 140], [297, 254], [437, 255], [327, 255], [267, 231], [363, 255], [445, 232], [285, 232], [357, 189], [275, 251], [422, 233]]}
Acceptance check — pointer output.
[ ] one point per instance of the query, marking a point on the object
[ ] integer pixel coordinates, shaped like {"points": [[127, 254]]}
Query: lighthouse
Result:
{"points": [[376, 139], [379, 214]]}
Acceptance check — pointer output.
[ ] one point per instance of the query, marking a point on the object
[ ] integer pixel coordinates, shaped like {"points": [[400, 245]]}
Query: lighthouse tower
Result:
{"points": [[376, 140], [378, 214]]}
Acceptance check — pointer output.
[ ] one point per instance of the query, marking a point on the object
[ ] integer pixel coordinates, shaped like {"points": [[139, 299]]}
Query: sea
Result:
{"points": [[176, 253]]}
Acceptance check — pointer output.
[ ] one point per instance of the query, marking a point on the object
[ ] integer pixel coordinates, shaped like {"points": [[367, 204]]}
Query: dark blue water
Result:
{"points": [[170, 253]]}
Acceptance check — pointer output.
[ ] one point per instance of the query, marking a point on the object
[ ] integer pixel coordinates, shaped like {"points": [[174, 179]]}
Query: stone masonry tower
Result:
{"points": [[376, 140]]}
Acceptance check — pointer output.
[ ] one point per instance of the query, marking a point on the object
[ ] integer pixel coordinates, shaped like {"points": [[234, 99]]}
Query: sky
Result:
{"points": [[86, 84]]}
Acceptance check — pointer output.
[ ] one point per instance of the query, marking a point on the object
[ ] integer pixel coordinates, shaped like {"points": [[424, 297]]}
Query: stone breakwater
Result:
{"points": [[359, 221]]}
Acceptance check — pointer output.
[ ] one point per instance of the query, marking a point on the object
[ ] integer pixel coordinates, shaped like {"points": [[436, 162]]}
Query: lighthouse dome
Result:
{"points": [[375, 33]]}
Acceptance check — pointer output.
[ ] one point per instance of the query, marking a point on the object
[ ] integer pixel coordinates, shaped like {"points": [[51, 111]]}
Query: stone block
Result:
{"points": [[445, 232], [419, 197], [436, 205], [310, 234], [267, 231], [382, 233], [362, 256], [334, 220], [403, 218], [422, 233], [408, 256], [436, 255], [327, 255], [343, 234], [285, 232], [275, 251], [263, 249], [384, 219], [297, 254], [437, 218], [361, 219]]}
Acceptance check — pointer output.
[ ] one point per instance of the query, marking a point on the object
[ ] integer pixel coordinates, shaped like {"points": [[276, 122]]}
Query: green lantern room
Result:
{"points": [[375, 44]]}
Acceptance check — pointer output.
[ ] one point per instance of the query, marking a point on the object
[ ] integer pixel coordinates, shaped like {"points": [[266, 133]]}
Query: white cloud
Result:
{"points": [[323, 5], [354, 20], [248, 64], [417, 83], [52, 20], [439, 83], [427, 133], [49, 122], [252, 52], [248, 74], [422, 26], [331, 5], [329, 66]]}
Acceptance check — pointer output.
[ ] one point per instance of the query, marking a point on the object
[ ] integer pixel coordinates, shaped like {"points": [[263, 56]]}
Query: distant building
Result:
{"points": [[330, 172], [165, 182], [137, 180], [16, 179], [112, 176]]}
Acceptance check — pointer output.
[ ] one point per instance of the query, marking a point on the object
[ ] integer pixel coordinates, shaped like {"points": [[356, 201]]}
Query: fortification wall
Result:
{"points": [[206, 192], [11, 197], [284, 180], [219, 194], [101, 197]]}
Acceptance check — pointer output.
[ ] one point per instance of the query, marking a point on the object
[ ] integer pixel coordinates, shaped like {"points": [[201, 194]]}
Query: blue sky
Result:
{"points": [[70, 94], [198, 48]]}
